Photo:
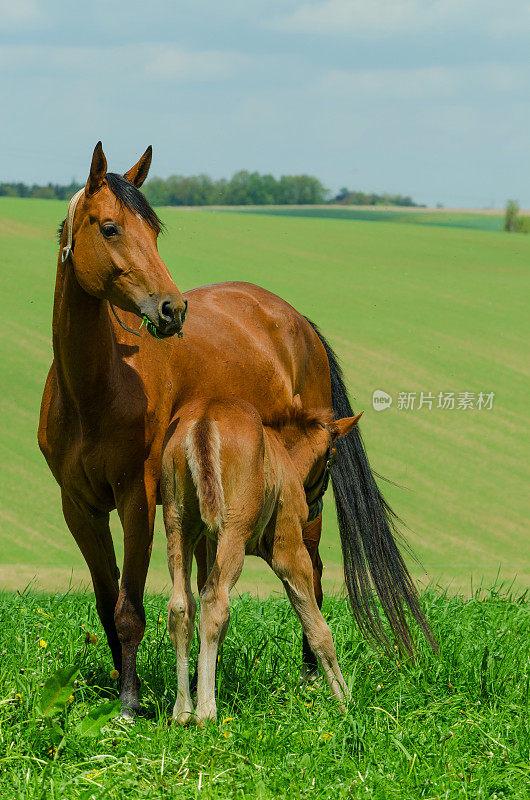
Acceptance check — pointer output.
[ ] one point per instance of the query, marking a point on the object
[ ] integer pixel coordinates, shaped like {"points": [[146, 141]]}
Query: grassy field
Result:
{"points": [[444, 728], [409, 308], [474, 220]]}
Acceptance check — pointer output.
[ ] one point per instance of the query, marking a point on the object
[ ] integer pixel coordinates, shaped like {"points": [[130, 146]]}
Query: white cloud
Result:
{"points": [[424, 83], [20, 13], [384, 18], [147, 62], [174, 63]]}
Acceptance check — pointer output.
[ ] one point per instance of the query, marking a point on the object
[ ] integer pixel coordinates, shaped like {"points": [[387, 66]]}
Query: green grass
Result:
{"points": [[408, 307], [456, 726]]}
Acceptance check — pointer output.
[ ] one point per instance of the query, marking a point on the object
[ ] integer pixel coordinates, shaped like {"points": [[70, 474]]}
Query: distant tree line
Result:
{"points": [[244, 188], [352, 198]]}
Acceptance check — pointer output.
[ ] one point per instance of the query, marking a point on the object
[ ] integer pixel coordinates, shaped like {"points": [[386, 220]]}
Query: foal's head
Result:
{"points": [[114, 253], [309, 436]]}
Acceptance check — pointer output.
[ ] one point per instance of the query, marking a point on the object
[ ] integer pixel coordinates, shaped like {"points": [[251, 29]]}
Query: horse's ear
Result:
{"points": [[138, 173], [98, 170], [340, 427]]}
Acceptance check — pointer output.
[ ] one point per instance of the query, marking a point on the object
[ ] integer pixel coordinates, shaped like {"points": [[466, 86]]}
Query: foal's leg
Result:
{"points": [[94, 539], [292, 564], [214, 616], [311, 535], [181, 608], [205, 557]]}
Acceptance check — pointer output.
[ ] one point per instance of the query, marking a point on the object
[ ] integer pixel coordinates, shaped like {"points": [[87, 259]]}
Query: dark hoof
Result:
{"points": [[130, 708]]}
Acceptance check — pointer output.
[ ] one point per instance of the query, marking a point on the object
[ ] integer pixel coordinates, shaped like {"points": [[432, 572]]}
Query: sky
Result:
{"points": [[423, 97]]}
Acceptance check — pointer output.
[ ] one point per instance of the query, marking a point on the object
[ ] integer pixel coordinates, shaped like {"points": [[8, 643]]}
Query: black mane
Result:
{"points": [[130, 197]]}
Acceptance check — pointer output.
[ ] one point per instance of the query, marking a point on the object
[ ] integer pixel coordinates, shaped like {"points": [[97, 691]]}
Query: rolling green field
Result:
{"points": [[485, 221], [409, 308]]}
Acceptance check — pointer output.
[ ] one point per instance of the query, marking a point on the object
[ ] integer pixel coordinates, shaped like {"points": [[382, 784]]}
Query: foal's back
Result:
{"points": [[219, 467]]}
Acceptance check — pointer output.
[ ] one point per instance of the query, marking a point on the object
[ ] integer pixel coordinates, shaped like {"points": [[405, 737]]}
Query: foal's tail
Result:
{"points": [[203, 451], [367, 531]]}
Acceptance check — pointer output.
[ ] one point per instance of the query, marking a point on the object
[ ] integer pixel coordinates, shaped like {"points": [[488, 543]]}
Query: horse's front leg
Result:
{"points": [[91, 531], [136, 507]]}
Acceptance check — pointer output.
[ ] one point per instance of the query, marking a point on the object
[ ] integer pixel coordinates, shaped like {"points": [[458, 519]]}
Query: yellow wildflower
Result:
{"points": [[161, 620], [227, 719], [93, 773], [114, 674], [42, 643]]}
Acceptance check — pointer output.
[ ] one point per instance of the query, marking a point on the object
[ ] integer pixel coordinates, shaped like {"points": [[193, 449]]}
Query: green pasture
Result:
{"points": [[409, 308], [484, 221], [449, 728]]}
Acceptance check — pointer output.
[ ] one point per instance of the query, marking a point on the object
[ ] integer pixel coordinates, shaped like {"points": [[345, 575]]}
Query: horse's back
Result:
{"points": [[242, 341]]}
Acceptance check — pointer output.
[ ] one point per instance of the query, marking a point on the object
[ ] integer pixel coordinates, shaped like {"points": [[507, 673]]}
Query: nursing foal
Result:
{"points": [[239, 481]]}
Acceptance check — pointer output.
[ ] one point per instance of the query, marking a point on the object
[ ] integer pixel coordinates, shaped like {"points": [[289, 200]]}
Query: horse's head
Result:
{"points": [[114, 252]]}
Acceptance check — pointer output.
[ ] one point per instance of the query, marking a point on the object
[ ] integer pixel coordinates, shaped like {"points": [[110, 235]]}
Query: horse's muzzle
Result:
{"points": [[171, 315]]}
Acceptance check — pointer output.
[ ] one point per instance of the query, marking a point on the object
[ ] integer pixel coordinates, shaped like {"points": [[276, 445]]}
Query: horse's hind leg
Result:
{"points": [[291, 562], [214, 616], [94, 539], [181, 608], [311, 535]]}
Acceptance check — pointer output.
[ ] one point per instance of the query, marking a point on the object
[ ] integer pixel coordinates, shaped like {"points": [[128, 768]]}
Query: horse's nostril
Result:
{"points": [[166, 310]]}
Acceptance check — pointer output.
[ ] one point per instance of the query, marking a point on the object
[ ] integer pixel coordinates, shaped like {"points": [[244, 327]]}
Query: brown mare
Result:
{"points": [[110, 396], [227, 476]]}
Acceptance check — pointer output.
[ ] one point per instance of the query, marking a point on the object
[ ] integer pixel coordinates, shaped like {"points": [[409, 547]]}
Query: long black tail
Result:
{"points": [[367, 532]]}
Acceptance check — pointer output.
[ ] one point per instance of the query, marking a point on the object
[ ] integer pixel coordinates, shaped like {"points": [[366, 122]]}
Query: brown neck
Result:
{"points": [[84, 344]]}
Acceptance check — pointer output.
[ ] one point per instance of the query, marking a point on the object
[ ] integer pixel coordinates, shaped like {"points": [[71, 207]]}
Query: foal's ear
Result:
{"points": [[340, 427], [138, 173], [98, 170]]}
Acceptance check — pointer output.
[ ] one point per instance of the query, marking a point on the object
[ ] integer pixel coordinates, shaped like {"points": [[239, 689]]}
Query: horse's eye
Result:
{"points": [[109, 230]]}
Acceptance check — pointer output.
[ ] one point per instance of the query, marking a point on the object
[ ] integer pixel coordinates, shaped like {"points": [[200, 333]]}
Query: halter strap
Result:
{"points": [[72, 205], [123, 325]]}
